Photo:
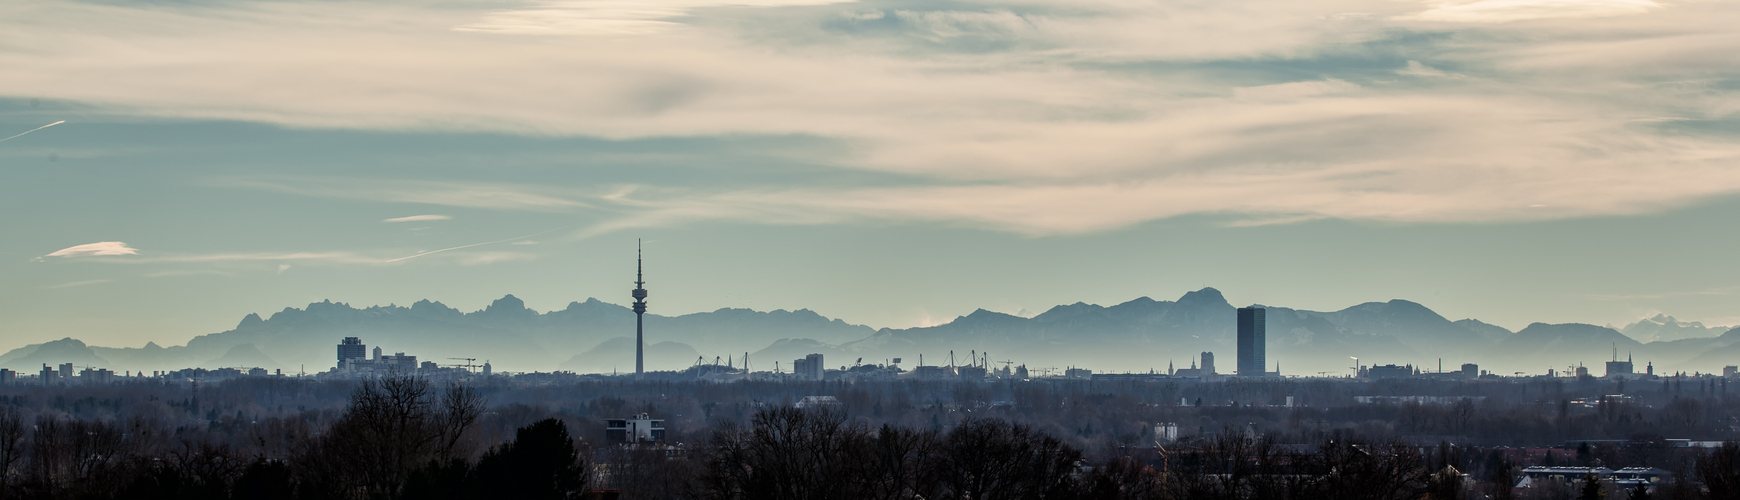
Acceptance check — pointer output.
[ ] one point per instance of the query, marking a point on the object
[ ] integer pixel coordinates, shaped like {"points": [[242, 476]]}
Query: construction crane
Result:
{"points": [[470, 364]]}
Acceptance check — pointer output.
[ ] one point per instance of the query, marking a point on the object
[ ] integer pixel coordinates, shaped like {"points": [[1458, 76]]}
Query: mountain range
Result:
{"points": [[1135, 336]]}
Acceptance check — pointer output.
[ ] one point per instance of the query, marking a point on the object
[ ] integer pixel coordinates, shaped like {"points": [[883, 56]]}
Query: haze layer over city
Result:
{"points": [[1131, 234]]}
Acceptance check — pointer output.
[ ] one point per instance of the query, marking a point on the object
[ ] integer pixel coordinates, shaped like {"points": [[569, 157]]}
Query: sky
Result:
{"points": [[889, 163]]}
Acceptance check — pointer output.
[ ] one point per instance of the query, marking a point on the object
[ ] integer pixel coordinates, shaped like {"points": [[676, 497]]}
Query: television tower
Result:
{"points": [[639, 310]]}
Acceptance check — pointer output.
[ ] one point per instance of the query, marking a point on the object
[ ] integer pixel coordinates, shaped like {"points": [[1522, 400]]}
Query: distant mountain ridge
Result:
{"points": [[1140, 334], [506, 332], [1662, 327]]}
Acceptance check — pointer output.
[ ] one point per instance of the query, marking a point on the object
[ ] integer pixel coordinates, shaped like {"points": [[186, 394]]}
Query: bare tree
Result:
{"points": [[1353, 469], [11, 446], [993, 458], [460, 407], [392, 427], [1124, 478], [73, 455], [901, 457], [790, 453], [1719, 470]]}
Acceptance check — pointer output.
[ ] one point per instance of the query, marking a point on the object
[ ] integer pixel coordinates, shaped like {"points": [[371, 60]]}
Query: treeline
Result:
{"points": [[406, 438], [397, 438], [402, 438], [799, 454], [1087, 414]]}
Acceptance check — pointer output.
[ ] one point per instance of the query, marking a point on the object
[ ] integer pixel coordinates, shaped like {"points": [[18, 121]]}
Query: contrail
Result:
{"points": [[33, 130], [420, 254]]}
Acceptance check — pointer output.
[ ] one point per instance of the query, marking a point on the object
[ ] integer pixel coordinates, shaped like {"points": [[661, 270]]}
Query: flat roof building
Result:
{"points": [[1253, 340], [640, 428], [351, 348], [808, 368]]}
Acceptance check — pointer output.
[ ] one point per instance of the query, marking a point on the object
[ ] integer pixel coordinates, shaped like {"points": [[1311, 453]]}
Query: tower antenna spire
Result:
{"points": [[639, 295]]}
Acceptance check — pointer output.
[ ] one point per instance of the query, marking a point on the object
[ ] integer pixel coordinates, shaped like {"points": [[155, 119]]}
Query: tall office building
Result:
{"points": [[1617, 368], [1208, 363], [351, 348], [809, 368], [639, 294], [1253, 336]]}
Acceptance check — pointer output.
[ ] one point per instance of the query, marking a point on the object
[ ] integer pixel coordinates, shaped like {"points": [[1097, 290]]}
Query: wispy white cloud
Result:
{"points": [[1048, 125], [98, 249], [1415, 68], [455, 194], [483, 258], [1295, 90], [186, 272], [201, 258], [1498, 11], [32, 130], [76, 283], [431, 252], [117, 252], [418, 218], [607, 17]]}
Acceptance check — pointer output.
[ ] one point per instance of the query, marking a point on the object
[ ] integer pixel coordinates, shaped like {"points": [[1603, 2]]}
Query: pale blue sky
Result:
{"points": [[887, 163]]}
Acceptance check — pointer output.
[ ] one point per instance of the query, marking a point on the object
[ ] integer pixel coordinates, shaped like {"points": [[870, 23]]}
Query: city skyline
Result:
{"points": [[900, 250]]}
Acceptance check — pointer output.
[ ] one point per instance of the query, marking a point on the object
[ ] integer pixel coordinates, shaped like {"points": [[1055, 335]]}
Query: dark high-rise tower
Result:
{"points": [[1253, 335], [351, 347], [639, 311]]}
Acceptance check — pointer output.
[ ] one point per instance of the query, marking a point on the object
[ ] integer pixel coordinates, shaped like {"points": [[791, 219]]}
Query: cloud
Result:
{"points": [[1295, 90], [1052, 120], [431, 252], [418, 218], [483, 258], [1415, 68], [1498, 11], [186, 272], [75, 283], [282, 268], [32, 130], [456, 194], [607, 17], [98, 249], [332, 257]]}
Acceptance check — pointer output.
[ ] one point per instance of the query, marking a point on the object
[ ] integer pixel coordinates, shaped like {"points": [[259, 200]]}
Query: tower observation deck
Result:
{"points": [[639, 294]]}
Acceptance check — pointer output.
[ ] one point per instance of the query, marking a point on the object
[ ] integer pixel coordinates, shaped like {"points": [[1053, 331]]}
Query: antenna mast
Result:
{"points": [[639, 295]]}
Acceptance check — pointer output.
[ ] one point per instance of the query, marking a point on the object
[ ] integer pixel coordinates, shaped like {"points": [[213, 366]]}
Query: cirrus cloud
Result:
{"points": [[1498, 11], [418, 218], [98, 249], [1015, 116]]}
